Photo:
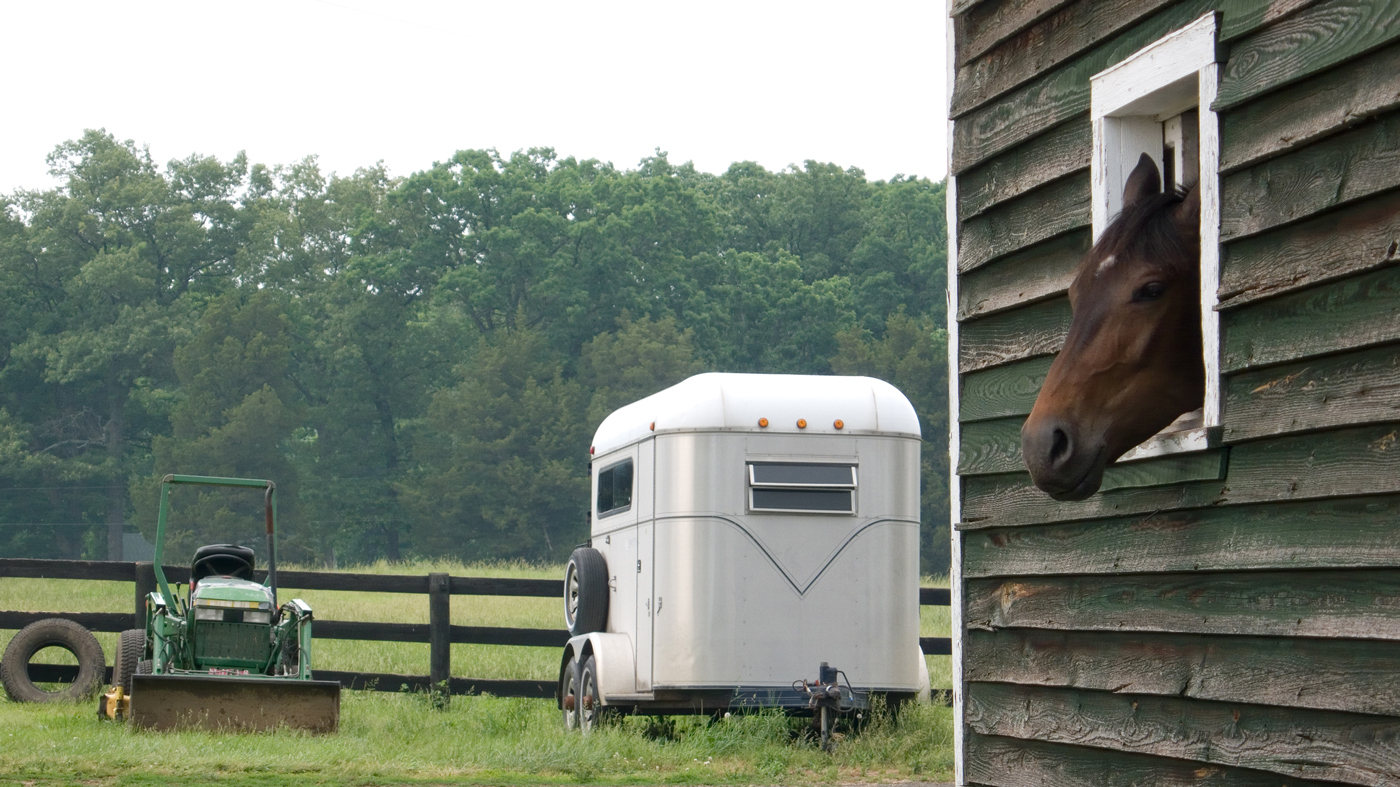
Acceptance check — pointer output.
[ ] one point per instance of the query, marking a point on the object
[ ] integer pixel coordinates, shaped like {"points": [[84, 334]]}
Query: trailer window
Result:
{"points": [[615, 488], [802, 486]]}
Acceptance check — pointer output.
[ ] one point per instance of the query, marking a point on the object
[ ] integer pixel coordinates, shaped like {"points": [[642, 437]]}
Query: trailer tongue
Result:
{"points": [[227, 655]]}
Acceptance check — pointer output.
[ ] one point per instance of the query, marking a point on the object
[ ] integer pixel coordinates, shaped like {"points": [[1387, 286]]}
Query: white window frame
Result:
{"points": [[1128, 104]]}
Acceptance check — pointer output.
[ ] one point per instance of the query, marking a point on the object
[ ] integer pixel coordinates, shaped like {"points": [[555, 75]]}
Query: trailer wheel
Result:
{"points": [[590, 709], [586, 592], [568, 694], [131, 646], [52, 632]]}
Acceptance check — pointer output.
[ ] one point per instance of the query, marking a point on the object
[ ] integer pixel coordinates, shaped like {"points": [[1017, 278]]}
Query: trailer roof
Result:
{"points": [[736, 402]]}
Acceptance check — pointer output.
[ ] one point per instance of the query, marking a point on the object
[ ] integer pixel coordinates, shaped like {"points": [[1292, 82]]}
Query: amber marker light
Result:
{"points": [[802, 423], [839, 424], [653, 426], [763, 423]]}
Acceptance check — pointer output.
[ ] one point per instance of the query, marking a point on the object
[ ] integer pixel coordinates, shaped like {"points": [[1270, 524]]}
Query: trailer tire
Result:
{"points": [[586, 592], [568, 694], [131, 646], [52, 632], [591, 710]]}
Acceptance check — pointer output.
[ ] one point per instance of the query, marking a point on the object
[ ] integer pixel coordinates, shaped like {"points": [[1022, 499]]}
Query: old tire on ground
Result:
{"points": [[46, 633], [586, 592], [131, 647]]}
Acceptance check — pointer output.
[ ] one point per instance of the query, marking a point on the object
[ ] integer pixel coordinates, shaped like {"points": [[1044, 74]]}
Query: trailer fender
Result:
{"points": [[612, 653]]}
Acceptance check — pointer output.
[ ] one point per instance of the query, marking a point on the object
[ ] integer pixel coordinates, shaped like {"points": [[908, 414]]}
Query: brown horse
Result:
{"points": [[1132, 361]]}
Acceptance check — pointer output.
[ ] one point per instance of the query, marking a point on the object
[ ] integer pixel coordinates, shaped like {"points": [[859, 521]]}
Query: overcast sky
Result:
{"points": [[410, 82]]}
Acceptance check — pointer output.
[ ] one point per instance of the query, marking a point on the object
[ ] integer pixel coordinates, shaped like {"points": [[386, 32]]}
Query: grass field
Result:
{"points": [[390, 738]]}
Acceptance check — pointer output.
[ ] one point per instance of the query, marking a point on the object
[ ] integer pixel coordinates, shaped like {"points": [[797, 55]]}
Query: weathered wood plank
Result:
{"points": [[1356, 603], [1319, 674], [1362, 460], [419, 632], [1357, 532], [1302, 744], [1002, 391], [111, 570], [1169, 469], [994, 447], [1336, 390], [1063, 150], [384, 681], [92, 621], [1057, 208], [1058, 96], [1359, 461], [935, 597], [1336, 244], [1041, 271], [980, 28], [1036, 49], [1038, 329], [1011, 499], [1014, 762], [1315, 108], [1243, 17], [990, 447], [1341, 315], [1349, 166], [1307, 43]]}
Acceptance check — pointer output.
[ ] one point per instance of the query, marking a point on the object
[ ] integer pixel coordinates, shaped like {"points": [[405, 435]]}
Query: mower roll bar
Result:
{"points": [[270, 514]]}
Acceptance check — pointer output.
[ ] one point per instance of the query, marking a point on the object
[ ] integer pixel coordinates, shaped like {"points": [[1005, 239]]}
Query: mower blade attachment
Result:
{"points": [[164, 702]]}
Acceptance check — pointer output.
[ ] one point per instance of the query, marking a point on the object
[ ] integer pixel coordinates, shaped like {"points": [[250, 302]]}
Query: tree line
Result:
{"points": [[419, 362]]}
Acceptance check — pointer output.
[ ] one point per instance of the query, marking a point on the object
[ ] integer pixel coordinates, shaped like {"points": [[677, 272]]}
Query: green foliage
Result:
{"points": [[420, 362]]}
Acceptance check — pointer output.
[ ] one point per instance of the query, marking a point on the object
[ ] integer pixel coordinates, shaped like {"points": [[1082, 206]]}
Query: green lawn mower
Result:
{"points": [[225, 655]]}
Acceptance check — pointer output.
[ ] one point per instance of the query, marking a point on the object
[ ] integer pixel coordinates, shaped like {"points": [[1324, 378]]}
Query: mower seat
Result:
{"points": [[222, 560]]}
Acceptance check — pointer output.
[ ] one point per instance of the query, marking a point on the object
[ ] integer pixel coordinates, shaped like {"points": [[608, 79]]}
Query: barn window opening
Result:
{"points": [[802, 487], [615, 488], [1157, 101]]}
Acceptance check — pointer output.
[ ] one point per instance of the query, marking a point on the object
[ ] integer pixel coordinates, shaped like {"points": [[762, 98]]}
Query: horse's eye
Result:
{"points": [[1150, 291]]}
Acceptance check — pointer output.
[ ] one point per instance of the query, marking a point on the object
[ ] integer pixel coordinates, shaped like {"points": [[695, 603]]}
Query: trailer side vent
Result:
{"points": [[802, 486], [615, 488]]}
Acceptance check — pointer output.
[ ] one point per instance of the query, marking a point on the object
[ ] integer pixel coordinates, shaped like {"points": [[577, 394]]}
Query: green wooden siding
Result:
{"points": [[1229, 617]]}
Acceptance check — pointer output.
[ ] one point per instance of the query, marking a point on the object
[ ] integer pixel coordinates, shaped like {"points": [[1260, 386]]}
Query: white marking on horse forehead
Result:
{"points": [[1105, 264]]}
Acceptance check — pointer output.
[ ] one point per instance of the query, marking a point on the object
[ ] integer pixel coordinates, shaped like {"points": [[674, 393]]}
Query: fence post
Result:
{"points": [[145, 583], [439, 636]]}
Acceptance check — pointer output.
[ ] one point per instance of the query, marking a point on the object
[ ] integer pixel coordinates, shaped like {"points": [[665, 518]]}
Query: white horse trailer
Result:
{"points": [[748, 530]]}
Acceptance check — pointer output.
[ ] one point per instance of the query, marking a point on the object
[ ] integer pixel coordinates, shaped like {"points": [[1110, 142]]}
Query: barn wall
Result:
{"points": [[1230, 616]]}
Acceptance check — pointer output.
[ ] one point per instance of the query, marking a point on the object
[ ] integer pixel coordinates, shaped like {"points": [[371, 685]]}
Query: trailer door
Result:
{"points": [[647, 608]]}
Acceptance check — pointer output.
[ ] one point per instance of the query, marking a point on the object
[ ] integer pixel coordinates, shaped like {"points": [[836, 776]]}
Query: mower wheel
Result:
{"points": [[586, 592], [131, 646], [46, 633]]}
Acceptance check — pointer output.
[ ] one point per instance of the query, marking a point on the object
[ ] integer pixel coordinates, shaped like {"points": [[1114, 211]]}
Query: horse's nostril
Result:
{"points": [[1059, 446]]}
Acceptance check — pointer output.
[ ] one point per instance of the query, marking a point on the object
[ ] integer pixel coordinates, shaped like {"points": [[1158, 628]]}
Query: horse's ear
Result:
{"points": [[1143, 183], [1187, 215]]}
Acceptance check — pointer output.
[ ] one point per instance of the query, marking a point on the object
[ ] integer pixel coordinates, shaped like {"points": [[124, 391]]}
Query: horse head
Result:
{"points": [[1132, 360]]}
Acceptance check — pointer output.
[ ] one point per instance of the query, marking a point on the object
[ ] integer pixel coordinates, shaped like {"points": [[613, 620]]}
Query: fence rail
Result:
{"points": [[438, 632]]}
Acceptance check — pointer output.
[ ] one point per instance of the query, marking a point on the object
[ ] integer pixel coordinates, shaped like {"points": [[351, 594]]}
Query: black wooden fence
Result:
{"points": [[438, 632]]}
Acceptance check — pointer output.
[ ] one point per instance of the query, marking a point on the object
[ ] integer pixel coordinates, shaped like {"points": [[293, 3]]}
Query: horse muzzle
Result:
{"points": [[1062, 464]]}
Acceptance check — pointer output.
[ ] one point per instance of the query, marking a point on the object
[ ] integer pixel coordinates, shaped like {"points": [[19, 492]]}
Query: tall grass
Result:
{"points": [[397, 738]]}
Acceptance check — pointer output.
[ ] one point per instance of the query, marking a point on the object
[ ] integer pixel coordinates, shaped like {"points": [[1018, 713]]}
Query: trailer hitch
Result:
{"points": [[826, 697]]}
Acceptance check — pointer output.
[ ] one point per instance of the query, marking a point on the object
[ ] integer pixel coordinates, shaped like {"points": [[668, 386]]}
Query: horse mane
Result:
{"points": [[1146, 232]]}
